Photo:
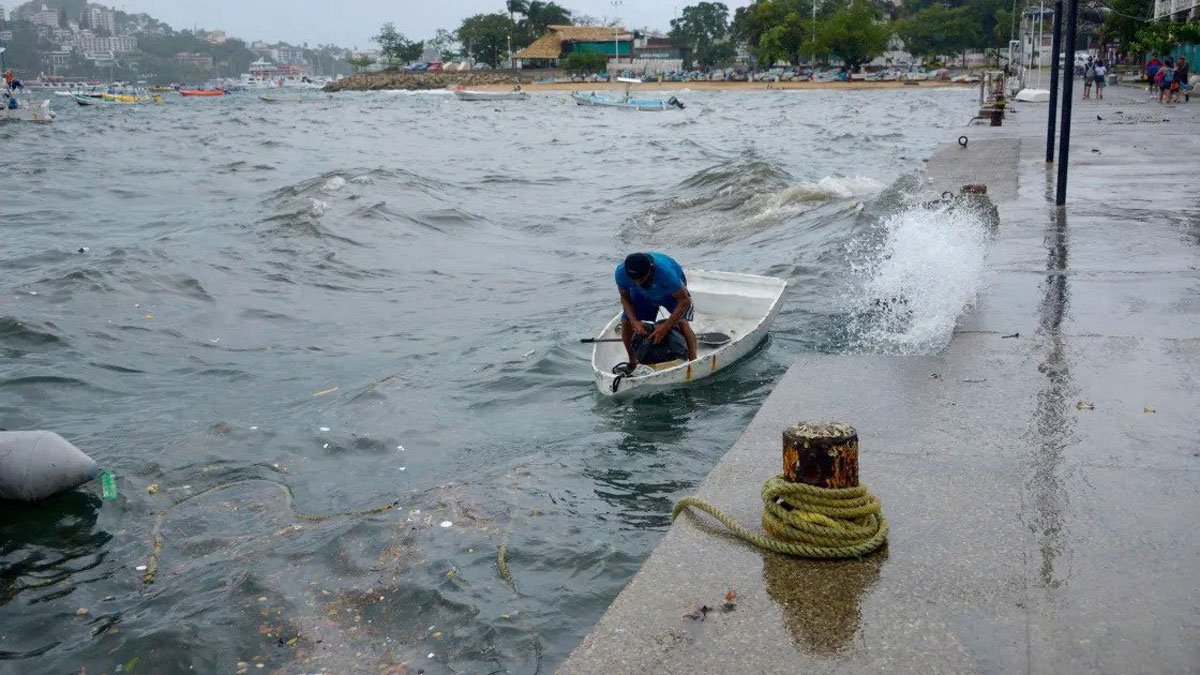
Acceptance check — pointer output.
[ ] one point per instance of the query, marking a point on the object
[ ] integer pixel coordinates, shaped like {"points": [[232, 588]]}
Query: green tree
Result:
{"points": [[1126, 18], [855, 34], [936, 31], [360, 62], [539, 15], [1160, 37], [446, 44], [581, 63], [786, 41], [395, 46], [702, 27], [485, 37]]}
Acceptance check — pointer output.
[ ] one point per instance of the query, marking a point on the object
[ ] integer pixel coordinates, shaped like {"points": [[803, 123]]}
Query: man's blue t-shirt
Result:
{"points": [[668, 279]]}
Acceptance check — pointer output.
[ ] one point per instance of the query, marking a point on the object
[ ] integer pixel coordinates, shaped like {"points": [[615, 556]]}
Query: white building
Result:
{"points": [[1177, 9], [91, 44], [44, 17], [3, 14], [98, 17]]}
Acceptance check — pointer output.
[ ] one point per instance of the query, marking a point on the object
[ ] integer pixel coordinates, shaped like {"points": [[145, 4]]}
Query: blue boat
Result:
{"points": [[594, 99]]}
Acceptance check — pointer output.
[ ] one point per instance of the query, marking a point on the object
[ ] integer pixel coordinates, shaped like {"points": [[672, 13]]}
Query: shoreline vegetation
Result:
{"points": [[504, 80]]}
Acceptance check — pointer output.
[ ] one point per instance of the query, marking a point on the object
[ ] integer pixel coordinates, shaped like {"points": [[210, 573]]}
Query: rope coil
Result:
{"points": [[808, 521]]}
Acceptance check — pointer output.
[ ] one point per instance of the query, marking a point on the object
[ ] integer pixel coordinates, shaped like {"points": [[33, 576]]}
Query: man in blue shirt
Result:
{"points": [[646, 282]]}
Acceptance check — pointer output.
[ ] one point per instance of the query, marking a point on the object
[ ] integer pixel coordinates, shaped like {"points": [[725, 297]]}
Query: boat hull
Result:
{"points": [[201, 92], [42, 114], [643, 104], [742, 306], [463, 95]]}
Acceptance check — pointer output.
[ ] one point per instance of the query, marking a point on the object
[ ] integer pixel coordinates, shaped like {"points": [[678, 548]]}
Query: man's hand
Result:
{"points": [[639, 328], [660, 333]]}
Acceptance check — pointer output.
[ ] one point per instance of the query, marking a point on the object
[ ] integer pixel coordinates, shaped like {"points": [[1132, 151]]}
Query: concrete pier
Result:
{"points": [[1042, 489]]}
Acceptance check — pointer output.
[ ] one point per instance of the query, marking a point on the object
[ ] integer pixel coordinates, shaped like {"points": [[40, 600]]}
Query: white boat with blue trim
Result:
{"points": [[741, 306], [652, 104]]}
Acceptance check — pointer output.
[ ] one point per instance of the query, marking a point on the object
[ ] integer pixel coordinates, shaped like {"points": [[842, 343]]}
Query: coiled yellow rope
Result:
{"points": [[807, 521]]}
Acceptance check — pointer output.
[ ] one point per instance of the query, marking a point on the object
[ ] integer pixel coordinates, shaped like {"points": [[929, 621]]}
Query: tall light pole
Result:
{"points": [[616, 46]]}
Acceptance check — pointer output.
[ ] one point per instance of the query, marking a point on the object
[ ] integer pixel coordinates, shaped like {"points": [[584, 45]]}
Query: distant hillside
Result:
{"points": [[74, 7]]}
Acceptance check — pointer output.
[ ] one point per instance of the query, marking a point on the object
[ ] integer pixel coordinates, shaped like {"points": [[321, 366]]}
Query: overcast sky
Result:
{"points": [[351, 23]]}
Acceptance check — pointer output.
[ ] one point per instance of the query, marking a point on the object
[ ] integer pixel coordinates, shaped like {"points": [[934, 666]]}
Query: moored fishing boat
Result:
{"points": [[469, 95], [84, 100], [120, 98], [201, 92], [28, 113], [649, 104], [739, 306]]}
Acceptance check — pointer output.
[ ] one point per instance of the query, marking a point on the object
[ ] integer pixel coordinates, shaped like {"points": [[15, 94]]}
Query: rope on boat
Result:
{"points": [[156, 535], [808, 521]]}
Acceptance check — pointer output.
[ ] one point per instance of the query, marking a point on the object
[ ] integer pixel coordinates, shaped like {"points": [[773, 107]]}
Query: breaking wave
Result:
{"points": [[915, 274], [732, 200]]}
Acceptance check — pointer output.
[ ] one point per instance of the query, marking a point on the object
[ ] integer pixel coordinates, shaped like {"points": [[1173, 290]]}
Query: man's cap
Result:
{"points": [[637, 265]]}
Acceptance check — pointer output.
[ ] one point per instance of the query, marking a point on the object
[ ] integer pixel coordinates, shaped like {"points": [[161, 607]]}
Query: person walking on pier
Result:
{"points": [[647, 281], [1089, 76], [1164, 77], [1181, 80], [1101, 78]]}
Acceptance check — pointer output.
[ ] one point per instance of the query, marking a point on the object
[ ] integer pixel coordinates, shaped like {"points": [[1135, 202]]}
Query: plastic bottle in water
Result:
{"points": [[108, 484]]}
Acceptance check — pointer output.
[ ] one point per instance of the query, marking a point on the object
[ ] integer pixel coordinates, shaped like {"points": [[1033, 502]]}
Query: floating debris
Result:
{"points": [[152, 488], [324, 428], [1148, 409], [326, 391], [445, 523], [1084, 405]]}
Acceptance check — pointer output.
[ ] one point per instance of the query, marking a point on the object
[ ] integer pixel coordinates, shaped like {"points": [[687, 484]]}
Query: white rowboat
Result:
{"points": [[468, 95], [742, 306]]}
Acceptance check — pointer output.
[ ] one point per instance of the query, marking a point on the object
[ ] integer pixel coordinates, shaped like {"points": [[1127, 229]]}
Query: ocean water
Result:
{"points": [[259, 315]]}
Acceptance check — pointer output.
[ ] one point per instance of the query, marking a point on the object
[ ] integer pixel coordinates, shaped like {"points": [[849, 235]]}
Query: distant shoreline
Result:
{"points": [[715, 86], [504, 81]]}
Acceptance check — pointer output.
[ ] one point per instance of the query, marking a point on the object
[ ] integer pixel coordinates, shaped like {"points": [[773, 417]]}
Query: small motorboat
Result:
{"points": [[84, 100], [201, 92], [736, 308], [594, 99], [27, 113], [469, 95], [120, 98]]}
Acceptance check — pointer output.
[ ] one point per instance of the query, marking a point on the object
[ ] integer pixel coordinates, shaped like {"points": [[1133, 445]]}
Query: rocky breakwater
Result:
{"points": [[411, 81]]}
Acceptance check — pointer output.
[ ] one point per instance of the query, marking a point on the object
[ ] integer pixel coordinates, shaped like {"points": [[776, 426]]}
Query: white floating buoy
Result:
{"points": [[37, 464]]}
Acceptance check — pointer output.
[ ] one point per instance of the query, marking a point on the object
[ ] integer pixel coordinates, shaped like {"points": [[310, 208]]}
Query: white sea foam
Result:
{"points": [[334, 184], [920, 275]]}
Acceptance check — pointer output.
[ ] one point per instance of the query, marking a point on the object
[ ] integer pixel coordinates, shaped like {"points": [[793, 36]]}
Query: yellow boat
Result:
{"points": [[121, 98]]}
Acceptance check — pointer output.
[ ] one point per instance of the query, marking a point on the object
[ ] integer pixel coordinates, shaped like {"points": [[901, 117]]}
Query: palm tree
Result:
{"points": [[516, 7]]}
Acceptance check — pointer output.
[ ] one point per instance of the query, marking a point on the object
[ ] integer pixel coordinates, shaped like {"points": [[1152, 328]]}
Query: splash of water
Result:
{"points": [[922, 269]]}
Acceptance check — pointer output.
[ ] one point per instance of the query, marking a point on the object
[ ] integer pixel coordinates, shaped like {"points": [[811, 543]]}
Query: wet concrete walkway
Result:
{"points": [[1043, 489]]}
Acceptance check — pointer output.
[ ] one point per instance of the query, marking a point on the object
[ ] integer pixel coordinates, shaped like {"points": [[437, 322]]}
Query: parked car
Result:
{"points": [[435, 67]]}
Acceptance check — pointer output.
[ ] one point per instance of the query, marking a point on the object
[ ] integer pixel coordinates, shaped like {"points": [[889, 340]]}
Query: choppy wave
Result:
{"points": [[728, 201]]}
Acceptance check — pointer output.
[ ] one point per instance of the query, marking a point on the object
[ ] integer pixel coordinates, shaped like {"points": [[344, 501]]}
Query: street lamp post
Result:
{"points": [[616, 46]]}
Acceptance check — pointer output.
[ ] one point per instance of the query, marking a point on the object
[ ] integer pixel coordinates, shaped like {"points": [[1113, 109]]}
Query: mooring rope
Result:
{"points": [[807, 521], [156, 551]]}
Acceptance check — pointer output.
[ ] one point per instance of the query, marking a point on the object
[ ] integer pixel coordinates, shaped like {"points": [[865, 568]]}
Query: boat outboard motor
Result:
{"points": [[675, 102], [37, 464]]}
